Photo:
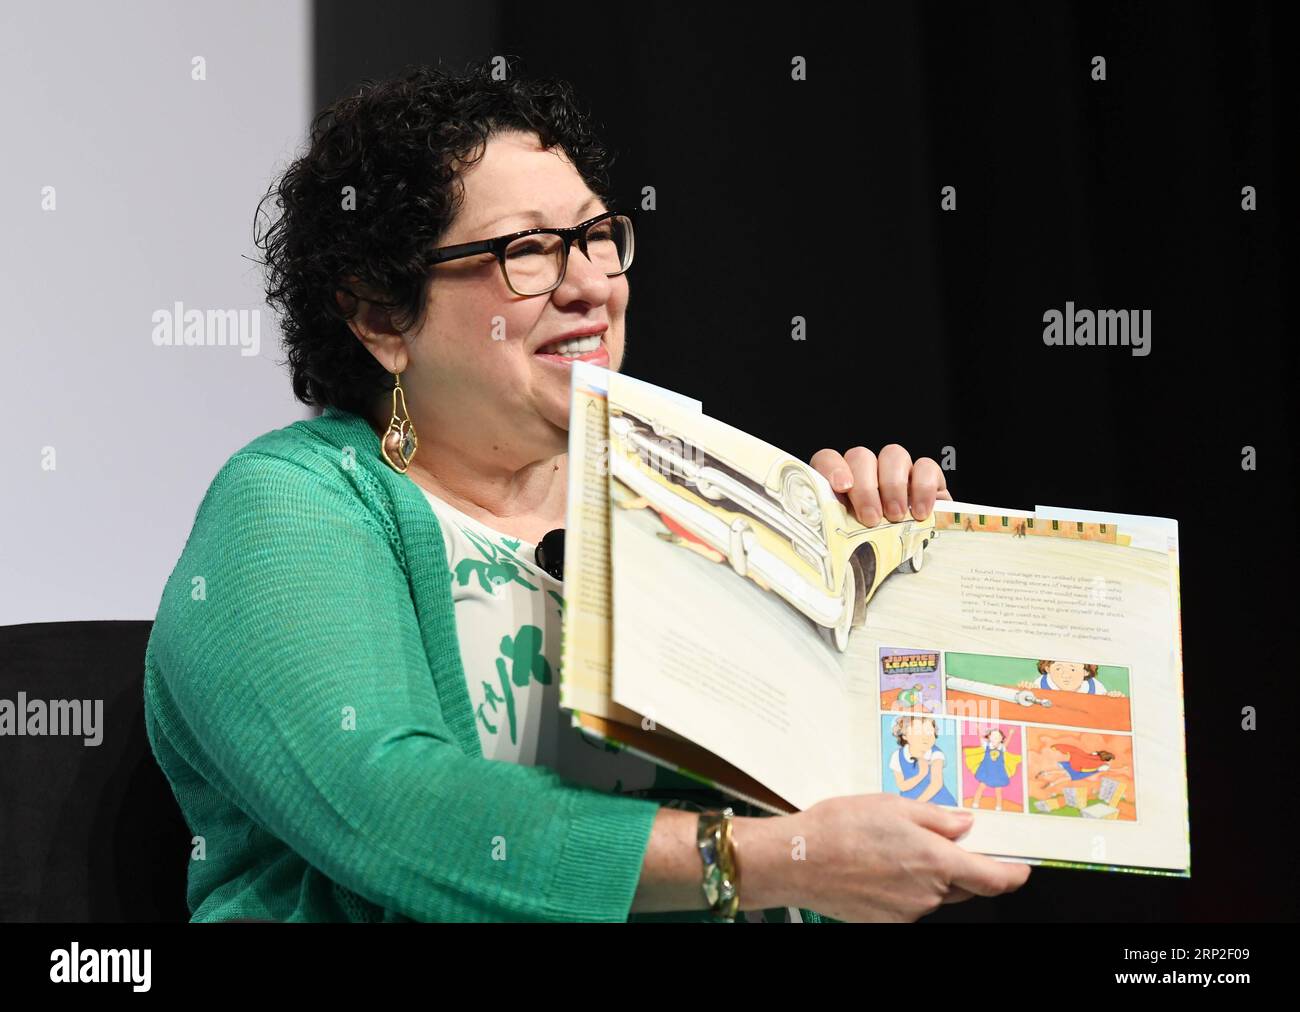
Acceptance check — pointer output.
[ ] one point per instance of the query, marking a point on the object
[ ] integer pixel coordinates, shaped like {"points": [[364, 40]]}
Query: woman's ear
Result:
{"points": [[372, 324]]}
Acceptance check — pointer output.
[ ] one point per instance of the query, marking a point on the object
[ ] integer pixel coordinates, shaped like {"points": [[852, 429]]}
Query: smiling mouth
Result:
{"points": [[572, 348]]}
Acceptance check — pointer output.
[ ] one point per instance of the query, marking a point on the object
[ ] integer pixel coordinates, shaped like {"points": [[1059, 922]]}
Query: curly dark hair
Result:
{"points": [[401, 143]]}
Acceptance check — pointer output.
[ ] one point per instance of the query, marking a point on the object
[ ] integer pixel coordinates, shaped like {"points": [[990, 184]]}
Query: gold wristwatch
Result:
{"points": [[721, 868]]}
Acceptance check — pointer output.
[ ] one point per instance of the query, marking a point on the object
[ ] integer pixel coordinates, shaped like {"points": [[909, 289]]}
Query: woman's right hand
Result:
{"points": [[869, 857]]}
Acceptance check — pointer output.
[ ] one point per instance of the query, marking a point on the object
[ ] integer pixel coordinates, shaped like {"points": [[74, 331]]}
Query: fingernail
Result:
{"points": [[843, 481], [871, 517], [893, 507]]}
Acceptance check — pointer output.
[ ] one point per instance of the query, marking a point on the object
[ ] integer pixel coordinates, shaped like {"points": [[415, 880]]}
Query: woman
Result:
{"points": [[347, 682]]}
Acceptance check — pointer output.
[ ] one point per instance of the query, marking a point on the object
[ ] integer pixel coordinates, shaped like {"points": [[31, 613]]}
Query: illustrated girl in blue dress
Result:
{"points": [[917, 764], [991, 766]]}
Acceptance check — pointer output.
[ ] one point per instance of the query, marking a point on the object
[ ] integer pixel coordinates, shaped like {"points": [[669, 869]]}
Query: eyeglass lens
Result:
{"points": [[534, 262]]}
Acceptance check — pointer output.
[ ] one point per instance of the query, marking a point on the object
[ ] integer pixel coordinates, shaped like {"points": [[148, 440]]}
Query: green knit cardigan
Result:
{"points": [[304, 696]]}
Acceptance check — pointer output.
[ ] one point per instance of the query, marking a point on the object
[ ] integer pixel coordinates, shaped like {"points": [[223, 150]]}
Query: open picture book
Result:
{"points": [[727, 617]]}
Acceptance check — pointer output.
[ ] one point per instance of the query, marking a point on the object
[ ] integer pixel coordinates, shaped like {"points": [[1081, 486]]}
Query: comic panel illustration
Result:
{"points": [[1075, 692], [919, 757], [992, 766], [910, 680], [1083, 774]]}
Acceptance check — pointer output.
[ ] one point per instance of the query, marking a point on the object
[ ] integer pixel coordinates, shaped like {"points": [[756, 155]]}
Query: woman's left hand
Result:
{"points": [[883, 485]]}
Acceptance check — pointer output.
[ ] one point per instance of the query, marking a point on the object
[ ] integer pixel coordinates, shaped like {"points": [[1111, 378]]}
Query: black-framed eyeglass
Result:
{"points": [[534, 261]]}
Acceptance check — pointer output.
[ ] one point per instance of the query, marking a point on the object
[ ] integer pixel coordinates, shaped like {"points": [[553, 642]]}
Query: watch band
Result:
{"points": [[717, 846]]}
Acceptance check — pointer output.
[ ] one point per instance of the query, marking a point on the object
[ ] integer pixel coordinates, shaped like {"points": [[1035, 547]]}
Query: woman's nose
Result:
{"points": [[583, 279]]}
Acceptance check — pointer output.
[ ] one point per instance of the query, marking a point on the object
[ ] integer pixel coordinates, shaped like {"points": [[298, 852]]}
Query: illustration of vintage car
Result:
{"points": [[773, 517]]}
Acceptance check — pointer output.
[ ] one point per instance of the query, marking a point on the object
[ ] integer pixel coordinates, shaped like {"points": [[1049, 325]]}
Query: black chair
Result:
{"points": [[86, 833]]}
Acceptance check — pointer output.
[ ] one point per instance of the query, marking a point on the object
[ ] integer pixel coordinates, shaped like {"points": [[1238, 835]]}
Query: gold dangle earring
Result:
{"points": [[399, 443]]}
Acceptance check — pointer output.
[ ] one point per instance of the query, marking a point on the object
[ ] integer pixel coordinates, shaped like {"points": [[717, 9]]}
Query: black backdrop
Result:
{"points": [[821, 199]]}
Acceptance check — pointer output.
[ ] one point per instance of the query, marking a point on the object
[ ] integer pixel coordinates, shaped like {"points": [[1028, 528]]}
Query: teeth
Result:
{"points": [[574, 346]]}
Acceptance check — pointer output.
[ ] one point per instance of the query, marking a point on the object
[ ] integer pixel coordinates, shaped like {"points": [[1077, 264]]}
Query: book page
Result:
{"points": [[585, 652], [585, 665], [1043, 647], [698, 648]]}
